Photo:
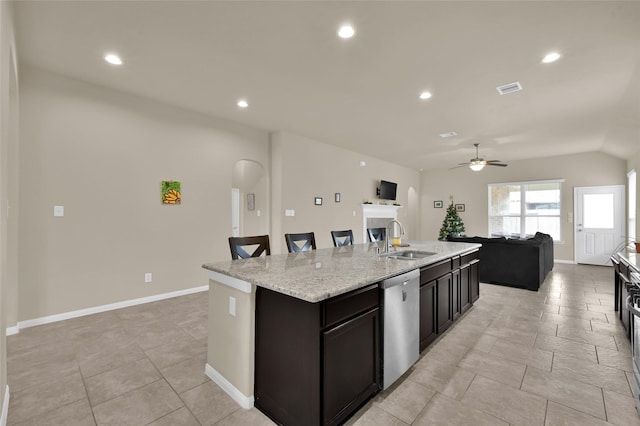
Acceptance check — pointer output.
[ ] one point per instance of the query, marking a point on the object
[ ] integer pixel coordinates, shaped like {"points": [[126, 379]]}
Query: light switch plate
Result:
{"points": [[58, 211], [232, 306], [148, 277], [289, 212]]}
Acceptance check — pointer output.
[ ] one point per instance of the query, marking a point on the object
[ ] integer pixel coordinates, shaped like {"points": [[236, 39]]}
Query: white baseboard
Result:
{"points": [[568, 262], [13, 330], [103, 308], [245, 402], [5, 408]]}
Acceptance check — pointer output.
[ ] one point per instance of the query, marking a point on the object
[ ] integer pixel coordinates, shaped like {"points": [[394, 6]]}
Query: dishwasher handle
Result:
{"points": [[402, 279]]}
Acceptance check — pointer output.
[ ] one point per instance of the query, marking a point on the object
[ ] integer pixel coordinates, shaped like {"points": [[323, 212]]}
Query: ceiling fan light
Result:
{"points": [[477, 165]]}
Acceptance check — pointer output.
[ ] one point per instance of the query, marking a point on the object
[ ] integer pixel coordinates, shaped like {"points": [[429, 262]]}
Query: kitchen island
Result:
{"points": [[301, 331]]}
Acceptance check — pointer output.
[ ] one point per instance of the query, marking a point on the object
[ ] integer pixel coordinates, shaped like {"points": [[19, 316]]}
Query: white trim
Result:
{"points": [[109, 307], [527, 182], [236, 283], [5, 408], [568, 262], [244, 401], [13, 330]]}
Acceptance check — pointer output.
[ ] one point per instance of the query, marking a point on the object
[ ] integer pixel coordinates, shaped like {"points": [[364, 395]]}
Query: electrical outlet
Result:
{"points": [[148, 277]]}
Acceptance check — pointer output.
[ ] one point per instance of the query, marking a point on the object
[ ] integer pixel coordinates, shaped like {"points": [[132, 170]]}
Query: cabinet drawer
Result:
{"points": [[431, 272], [467, 258], [348, 305]]}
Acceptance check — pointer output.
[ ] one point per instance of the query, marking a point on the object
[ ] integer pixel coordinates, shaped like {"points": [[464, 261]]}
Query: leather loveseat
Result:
{"points": [[522, 263]]}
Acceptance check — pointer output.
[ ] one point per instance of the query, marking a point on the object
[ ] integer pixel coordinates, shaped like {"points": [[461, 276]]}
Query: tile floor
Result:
{"points": [[555, 357]]}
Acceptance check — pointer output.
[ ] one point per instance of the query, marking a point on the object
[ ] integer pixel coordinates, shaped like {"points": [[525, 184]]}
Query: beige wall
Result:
{"points": [[470, 188], [634, 164], [304, 169], [102, 155], [8, 144]]}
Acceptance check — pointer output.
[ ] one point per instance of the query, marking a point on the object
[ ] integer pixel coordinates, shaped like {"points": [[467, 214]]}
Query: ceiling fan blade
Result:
{"points": [[494, 161], [457, 167], [463, 164], [497, 164]]}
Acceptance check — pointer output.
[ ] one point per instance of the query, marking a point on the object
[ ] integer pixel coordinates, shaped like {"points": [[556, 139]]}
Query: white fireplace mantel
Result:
{"points": [[372, 211]]}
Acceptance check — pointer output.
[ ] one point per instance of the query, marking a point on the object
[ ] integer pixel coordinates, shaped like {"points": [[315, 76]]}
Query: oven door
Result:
{"points": [[634, 310]]}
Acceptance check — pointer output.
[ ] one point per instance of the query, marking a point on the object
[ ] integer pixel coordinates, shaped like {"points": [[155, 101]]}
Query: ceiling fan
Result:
{"points": [[477, 164]]}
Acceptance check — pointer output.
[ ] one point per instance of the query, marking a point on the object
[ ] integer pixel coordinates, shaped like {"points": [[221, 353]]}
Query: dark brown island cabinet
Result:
{"points": [[317, 363], [447, 289]]}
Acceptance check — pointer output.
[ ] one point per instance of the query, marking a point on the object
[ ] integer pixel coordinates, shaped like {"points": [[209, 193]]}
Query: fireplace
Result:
{"points": [[376, 216]]}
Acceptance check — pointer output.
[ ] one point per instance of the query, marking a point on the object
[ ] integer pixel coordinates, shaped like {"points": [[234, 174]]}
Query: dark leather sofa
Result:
{"points": [[522, 263]]}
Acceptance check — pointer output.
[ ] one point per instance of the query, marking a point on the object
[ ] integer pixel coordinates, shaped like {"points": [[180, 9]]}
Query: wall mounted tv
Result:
{"points": [[387, 190]]}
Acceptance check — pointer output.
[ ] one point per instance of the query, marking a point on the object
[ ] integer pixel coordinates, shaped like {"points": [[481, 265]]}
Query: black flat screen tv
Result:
{"points": [[387, 190]]}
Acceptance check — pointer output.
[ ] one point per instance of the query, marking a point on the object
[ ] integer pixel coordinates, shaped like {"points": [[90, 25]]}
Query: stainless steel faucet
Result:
{"points": [[386, 234]]}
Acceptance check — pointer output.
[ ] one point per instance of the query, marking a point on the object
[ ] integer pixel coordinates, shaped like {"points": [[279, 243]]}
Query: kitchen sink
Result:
{"points": [[408, 254]]}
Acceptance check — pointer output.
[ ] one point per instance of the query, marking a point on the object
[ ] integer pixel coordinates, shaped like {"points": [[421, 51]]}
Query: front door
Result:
{"points": [[599, 223]]}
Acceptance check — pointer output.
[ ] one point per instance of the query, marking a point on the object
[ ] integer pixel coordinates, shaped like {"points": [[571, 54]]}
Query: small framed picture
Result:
{"points": [[251, 201], [459, 207], [437, 204], [337, 195], [318, 201]]}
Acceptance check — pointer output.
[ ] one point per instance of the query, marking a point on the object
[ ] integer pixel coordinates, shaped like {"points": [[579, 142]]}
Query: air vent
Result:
{"points": [[509, 88]]}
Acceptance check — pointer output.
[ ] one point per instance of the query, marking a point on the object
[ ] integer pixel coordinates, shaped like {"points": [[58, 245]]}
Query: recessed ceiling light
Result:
{"points": [[243, 103], [346, 31], [363, 163], [113, 59], [425, 95], [551, 57], [448, 134]]}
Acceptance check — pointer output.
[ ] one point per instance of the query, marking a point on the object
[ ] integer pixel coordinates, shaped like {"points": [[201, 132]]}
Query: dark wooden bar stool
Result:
{"points": [[240, 246], [376, 234], [304, 241], [342, 238]]}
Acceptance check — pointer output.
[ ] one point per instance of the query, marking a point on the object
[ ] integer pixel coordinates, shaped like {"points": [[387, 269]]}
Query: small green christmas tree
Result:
{"points": [[452, 223]]}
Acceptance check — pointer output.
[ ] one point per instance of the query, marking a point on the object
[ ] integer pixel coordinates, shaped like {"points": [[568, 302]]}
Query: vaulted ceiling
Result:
{"points": [[285, 59]]}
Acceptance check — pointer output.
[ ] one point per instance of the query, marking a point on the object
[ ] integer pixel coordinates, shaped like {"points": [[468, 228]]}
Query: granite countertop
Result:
{"points": [[320, 274], [631, 258]]}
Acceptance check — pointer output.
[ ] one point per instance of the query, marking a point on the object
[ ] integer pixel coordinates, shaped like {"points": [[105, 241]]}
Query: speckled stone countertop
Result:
{"points": [[631, 258], [324, 273]]}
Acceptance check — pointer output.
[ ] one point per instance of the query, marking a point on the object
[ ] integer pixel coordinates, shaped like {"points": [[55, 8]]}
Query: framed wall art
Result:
{"points": [[171, 194], [437, 204]]}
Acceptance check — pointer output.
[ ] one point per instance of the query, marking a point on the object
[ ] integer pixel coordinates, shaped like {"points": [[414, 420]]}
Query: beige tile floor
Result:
{"points": [[555, 357]]}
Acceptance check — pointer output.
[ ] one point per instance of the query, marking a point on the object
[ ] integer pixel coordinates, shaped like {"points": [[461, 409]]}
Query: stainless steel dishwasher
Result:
{"points": [[401, 329]]}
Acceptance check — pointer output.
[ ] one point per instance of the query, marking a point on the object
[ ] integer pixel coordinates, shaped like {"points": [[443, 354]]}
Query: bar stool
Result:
{"points": [[240, 245], [300, 242], [376, 234], [342, 238]]}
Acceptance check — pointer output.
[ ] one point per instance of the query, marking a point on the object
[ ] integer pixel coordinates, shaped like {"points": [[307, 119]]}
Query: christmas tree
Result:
{"points": [[452, 223]]}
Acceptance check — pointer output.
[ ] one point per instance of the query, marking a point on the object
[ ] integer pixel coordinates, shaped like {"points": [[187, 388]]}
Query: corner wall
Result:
{"points": [[304, 169], [634, 163], [8, 141], [470, 188], [102, 155]]}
